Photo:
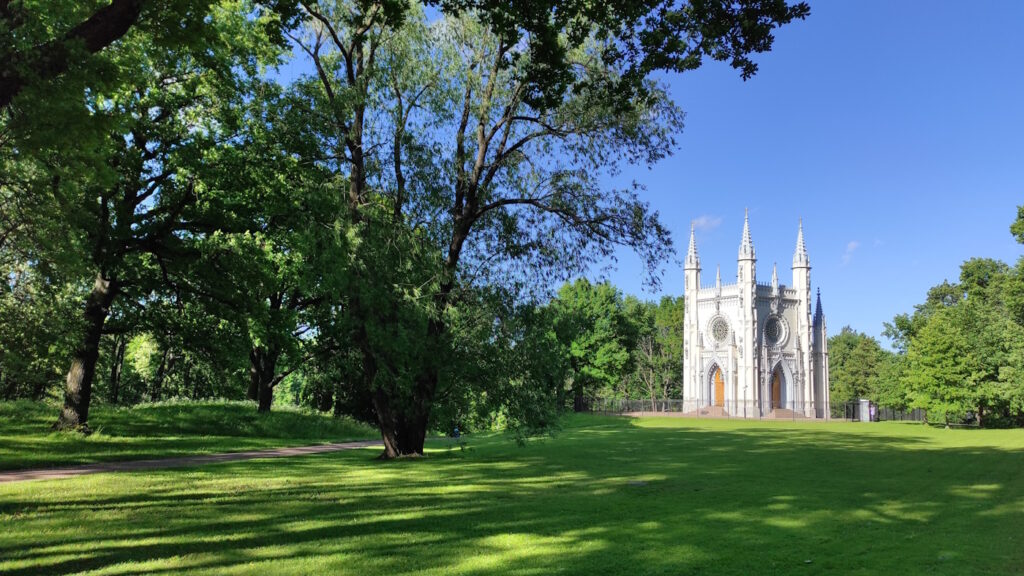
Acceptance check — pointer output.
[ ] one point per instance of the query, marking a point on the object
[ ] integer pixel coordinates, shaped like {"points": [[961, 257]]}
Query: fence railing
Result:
{"points": [[855, 411], [747, 409]]}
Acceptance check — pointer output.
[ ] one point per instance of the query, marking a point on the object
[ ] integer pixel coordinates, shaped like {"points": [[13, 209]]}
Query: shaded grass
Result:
{"points": [[606, 496], [160, 430]]}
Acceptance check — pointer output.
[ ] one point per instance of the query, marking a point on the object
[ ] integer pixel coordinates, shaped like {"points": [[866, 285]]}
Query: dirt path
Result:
{"points": [[136, 465]]}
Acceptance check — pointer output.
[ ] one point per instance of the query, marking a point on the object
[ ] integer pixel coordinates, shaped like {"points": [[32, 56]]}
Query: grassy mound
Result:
{"points": [[160, 430], [604, 496]]}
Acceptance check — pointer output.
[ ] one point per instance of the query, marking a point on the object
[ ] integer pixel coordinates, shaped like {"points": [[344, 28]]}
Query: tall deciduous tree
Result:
{"points": [[128, 221], [938, 368], [597, 335], [541, 101], [855, 364], [658, 351], [285, 263]]}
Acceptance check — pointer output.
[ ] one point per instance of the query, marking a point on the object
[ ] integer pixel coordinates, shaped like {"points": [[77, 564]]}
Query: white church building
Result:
{"points": [[752, 349]]}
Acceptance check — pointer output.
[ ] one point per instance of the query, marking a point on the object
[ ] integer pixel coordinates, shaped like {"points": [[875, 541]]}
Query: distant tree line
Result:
{"points": [[959, 355], [615, 345]]}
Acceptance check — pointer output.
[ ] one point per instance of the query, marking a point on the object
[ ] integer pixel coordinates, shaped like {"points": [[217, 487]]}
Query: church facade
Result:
{"points": [[752, 349]]}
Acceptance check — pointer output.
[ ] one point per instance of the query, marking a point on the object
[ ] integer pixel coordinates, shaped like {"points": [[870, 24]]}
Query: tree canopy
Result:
{"points": [[378, 236]]}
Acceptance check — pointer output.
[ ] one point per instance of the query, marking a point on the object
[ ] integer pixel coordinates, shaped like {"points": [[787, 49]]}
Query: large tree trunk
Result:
{"points": [[404, 428], [577, 401], [404, 431], [402, 418], [266, 399], [78, 386], [262, 369]]}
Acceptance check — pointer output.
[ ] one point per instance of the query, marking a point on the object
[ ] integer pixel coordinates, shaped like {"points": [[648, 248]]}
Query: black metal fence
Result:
{"points": [[855, 411], [849, 411]]}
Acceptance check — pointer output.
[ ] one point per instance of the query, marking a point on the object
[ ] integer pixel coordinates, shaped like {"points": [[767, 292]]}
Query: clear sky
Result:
{"points": [[895, 129]]}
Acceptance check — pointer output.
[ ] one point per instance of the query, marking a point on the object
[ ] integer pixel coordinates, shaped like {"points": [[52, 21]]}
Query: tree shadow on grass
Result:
{"points": [[608, 498], [159, 430]]}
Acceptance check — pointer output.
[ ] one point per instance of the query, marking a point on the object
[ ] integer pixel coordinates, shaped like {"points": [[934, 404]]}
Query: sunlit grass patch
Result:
{"points": [[160, 430], [603, 496]]}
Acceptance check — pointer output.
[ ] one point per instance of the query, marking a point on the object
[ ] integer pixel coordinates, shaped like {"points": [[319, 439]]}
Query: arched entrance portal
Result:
{"points": [[719, 383], [777, 388]]}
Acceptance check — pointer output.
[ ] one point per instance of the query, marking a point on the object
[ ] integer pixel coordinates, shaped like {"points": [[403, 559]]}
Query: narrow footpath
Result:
{"points": [[182, 461]]}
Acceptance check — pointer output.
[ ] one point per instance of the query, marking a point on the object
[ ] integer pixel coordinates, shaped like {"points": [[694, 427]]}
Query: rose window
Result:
{"points": [[719, 329], [774, 330]]}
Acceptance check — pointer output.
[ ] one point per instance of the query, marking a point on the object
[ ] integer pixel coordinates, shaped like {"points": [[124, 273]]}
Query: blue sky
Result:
{"points": [[895, 129]]}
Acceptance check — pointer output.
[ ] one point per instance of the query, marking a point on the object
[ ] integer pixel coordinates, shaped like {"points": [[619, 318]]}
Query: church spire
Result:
{"points": [[746, 245], [800, 259], [818, 313], [775, 277], [718, 276], [692, 260]]}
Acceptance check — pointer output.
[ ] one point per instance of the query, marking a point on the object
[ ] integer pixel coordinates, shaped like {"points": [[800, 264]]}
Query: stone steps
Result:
{"points": [[784, 414]]}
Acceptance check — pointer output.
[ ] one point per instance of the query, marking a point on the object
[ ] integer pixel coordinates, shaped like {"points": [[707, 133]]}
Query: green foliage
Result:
{"points": [[965, 348], [888, 387], [905, 327], [858, 367], [465, 183], [641, 36], [278, 261], [506, 370], [37, 320], [142, 356], [128, 201], [937, 367], [1017, 228], [658, 349], [593, 327]]}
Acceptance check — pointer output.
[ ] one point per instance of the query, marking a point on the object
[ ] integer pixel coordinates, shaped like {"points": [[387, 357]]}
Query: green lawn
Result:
{"points": [[160, 430], [605, 496]]}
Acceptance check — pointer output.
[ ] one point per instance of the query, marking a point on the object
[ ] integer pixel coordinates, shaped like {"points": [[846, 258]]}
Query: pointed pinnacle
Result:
{"points": [[746, 245], [692, 260], [800, 254]]}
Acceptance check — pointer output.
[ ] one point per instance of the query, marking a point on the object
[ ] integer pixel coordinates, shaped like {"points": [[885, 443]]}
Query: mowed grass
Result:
{"points": [[604, 496], [161, 430]]}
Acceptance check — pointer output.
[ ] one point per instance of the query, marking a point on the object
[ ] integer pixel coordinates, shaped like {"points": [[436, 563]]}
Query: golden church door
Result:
{"points": [[719, 388], [776, 390]]}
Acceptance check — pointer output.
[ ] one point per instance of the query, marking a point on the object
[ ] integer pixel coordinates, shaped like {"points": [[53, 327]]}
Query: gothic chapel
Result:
{"points": [[754, 350]]}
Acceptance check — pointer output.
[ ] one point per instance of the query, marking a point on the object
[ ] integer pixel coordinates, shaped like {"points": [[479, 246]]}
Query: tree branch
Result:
{"points": [[52, 59]]}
